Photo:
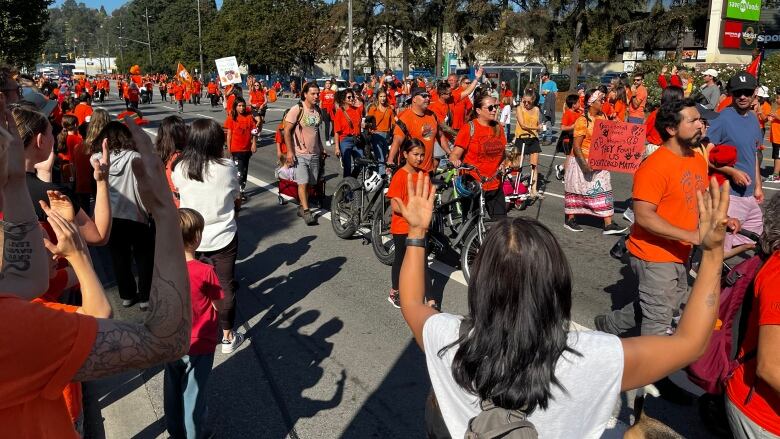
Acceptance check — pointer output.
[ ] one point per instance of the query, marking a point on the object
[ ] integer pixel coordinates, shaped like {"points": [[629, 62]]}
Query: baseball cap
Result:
{"points": [[710, 72], [417, 91], [41, 103], [706, 113], [763, 91], [743, 81]]}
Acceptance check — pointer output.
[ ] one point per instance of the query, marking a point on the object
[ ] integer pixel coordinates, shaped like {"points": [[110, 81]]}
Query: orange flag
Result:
{"points": [[183, 75], [754, 66]]}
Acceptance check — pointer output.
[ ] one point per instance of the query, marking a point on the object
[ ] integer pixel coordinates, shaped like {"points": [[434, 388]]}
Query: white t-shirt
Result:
{"points": [[592, 381], [506, 114], [214, 198]]}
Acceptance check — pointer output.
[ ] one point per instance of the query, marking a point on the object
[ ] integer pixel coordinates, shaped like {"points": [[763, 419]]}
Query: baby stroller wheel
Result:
{"points": [[280, 199]]}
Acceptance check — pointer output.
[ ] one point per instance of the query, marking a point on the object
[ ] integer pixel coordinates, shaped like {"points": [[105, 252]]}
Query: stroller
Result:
{"points": [[145, 96], [518, 187]]}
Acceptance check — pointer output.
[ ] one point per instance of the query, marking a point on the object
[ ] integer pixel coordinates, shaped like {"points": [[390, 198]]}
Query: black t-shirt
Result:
{"points": [[38, 189]]}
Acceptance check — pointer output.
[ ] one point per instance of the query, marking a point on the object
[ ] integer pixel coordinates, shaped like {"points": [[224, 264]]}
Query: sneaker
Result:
{"points": [[394, 298], [243, 197], [328, 143], [144, 306], [600, 323], [613, 229], [572, 226], [674, 393], [128, 303], [774, 178], [229, 346], [559, 172], [300, 211], [628, 215], [308, 218]]}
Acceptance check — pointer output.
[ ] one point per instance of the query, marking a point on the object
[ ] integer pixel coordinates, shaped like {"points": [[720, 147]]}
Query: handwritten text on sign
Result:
{"points": [[617, 146]]}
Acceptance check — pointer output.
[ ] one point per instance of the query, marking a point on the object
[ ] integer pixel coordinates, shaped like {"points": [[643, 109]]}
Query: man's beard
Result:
{"points": [[692, 142]]}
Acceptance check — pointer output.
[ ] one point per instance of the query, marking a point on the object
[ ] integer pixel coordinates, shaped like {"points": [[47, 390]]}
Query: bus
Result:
{"points": [[79, 74]]}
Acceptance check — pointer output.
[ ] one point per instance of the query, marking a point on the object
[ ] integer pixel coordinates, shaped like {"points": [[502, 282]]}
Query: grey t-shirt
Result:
{"points": [[712, 93], [592, 383]]}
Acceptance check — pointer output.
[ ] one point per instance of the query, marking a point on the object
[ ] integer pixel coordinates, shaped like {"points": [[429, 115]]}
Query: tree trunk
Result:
{"points": [[575, 51], [680, 40], [370, 49], [439, 54], [387, 48], [405, 53]]}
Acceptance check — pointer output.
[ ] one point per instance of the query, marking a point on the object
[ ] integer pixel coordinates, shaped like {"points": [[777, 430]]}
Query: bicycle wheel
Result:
{"points": [[468, 254], [345, 210], [381, 238]]}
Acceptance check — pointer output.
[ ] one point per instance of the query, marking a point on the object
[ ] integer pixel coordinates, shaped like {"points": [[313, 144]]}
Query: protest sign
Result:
{"points": [[617, 146], [228, 71]]}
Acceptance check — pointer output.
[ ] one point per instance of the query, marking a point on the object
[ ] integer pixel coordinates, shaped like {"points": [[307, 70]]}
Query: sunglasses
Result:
{"points": [[742, 93], [528, 102], [637, 79], [490, 107], [350, 98], [424, 95]]}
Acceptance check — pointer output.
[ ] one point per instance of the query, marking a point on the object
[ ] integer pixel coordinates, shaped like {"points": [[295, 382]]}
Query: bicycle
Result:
{"points": [[361, 202]]}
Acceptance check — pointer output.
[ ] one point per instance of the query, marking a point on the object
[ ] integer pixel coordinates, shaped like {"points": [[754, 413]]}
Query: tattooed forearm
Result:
{"points": [[17, 246], [711, 300]]}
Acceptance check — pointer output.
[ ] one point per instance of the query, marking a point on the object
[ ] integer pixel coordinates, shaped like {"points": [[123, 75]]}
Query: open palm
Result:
{"points": [[419, 207], [713, 215]]}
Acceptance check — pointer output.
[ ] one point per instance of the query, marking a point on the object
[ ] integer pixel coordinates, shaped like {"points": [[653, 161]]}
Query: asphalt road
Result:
{"points": [[327, 355]]}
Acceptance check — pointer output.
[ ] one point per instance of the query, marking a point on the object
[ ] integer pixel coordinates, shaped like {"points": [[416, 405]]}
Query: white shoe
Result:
{"points": [[328, 143], [628, 215], [229, 346], [127, 302], [144, 306]]}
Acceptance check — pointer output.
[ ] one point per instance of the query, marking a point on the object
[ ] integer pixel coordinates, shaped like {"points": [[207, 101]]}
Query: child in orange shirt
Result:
{"points": [[67, 142], [570, 114]]}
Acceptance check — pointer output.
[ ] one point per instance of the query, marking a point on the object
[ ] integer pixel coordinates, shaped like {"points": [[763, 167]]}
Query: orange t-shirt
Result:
{"points": [[81, 111], [347, 122], [42, 349], [766, 110], [670, 182], [328, 101], [211, 88], [240, 132], [583, 128], [460, 109], [620, 111], [384, 119], [257, 98], [724, 103], [397, 189], [607, 109], [641, 96], [178, 92], [764, 405], [442, 110], [774, 133], [424, 128], [484, 150]]}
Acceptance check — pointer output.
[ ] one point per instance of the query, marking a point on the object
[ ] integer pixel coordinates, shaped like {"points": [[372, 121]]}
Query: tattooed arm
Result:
{"points": [[165, 335], [647, 359], [24, 268]]}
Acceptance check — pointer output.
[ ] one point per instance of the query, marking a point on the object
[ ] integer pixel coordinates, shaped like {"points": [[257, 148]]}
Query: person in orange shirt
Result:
{"points": [[620, 104], [83, 110], [667, 219], [178, 93], [67, 141], [347, 129], [241, 143], [382, 128], [328, 104], [213, 93], [197, 89], [638, 100], [774, 139], [413, 156], [259, 104], [571, 113], [481, 143], [418, 122]]}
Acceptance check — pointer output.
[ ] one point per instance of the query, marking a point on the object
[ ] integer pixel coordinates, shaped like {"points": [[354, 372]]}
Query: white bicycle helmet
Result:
{"points": [[372, 182]]}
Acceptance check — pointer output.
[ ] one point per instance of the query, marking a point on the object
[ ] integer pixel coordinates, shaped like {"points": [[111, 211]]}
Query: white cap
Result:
{"points": [[410, 77], [762, 91], [710, 72]]}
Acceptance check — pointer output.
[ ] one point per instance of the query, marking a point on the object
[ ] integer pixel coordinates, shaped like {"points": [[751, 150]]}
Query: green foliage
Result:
{"points": [[770, 72], [22, 32]]}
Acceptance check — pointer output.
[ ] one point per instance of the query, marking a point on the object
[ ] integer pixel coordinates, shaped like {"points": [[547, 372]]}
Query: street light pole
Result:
{"points": [[349, 32], [200, 44], [121, 52], [148, 38]]}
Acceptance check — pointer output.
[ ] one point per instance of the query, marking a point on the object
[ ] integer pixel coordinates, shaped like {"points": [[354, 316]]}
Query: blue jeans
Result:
{"points": [[348, 149], [380, 145], [508, 128], [184, 393], [637, 120]]}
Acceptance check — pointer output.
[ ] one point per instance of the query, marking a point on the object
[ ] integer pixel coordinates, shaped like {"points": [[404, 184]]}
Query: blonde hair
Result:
{"points": [[191, 223], [30, 123], [97, 122]]}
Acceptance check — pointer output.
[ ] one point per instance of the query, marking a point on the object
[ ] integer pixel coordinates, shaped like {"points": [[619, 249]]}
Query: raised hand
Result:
{"points": [[419, 208], [713, 215], [100, 167], [69, 242], [60, 203], [148, 169]]}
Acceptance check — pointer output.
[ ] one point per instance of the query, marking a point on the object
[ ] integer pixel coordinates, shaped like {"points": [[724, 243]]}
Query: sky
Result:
{"points": [[110, 5]]}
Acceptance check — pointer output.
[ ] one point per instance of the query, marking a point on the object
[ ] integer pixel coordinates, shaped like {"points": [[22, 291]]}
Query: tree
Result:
{"points": [[22, 30]]}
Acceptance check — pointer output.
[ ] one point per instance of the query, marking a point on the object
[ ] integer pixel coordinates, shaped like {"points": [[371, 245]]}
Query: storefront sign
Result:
{"points": [[749, 10]]}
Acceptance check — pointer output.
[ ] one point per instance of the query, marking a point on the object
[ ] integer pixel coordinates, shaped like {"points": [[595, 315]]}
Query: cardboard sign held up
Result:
{"points": [[617, 146]]}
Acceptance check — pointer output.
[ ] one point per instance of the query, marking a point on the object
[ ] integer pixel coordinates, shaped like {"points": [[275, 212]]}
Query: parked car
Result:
{"points": [[340, 83], [563, 80], [608, 77]]}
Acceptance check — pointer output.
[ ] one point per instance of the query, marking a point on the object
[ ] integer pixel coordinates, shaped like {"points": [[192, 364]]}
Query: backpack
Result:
{"points": [[715, 367], [272, 95]]}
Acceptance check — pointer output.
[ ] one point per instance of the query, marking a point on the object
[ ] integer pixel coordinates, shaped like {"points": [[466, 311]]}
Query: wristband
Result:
{"points": [[416, 242]]}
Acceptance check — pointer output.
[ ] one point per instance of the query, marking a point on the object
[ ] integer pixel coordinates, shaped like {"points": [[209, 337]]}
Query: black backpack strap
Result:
{"points": [[403, 128], [507, 428]]}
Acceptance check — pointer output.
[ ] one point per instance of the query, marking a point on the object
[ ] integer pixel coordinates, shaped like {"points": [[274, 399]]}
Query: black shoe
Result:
{"points": [[674, 393], [300, 211], [614, 229], [572, 225], [309, 218]]}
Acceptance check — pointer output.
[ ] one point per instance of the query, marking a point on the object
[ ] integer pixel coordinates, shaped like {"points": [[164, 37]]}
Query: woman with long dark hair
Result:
{"points": [[384, 121], [171, 140], [208, 183], [346, 128], [516, 347], [481, 143], [241, 143]]}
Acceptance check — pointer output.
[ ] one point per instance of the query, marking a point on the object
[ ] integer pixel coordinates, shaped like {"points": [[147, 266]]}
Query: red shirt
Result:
{"points": [[178, 92], [240, 132], [764, 405], [133, 94], [71, 143], [484, 150], [653, 136], [328, 101], [257, 98], [347, 126], [212, 88], [81, 112], [204, 289], [460, 109]]}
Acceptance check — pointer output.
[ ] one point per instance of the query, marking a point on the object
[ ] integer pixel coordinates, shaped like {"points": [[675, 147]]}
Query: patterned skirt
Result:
{"points": [[587, 195]]}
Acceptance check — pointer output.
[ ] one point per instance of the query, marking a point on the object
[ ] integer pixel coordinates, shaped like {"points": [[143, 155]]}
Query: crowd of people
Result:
{"points": [[170, 207]]}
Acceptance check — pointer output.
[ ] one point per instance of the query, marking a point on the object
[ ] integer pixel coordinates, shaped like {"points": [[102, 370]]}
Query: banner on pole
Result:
{"points": [[183, 75], [228, 71], [617, 146]]}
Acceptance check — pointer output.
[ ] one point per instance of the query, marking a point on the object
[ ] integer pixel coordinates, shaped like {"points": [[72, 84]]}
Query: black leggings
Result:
{"points": [[400, 251], [132, 241], [224, 261], [241, 159]]}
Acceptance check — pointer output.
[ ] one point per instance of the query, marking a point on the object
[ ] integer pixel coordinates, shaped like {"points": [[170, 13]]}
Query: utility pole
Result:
{"points": [[121, 52], [349, 32], [148, 38], [200, 44]]}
